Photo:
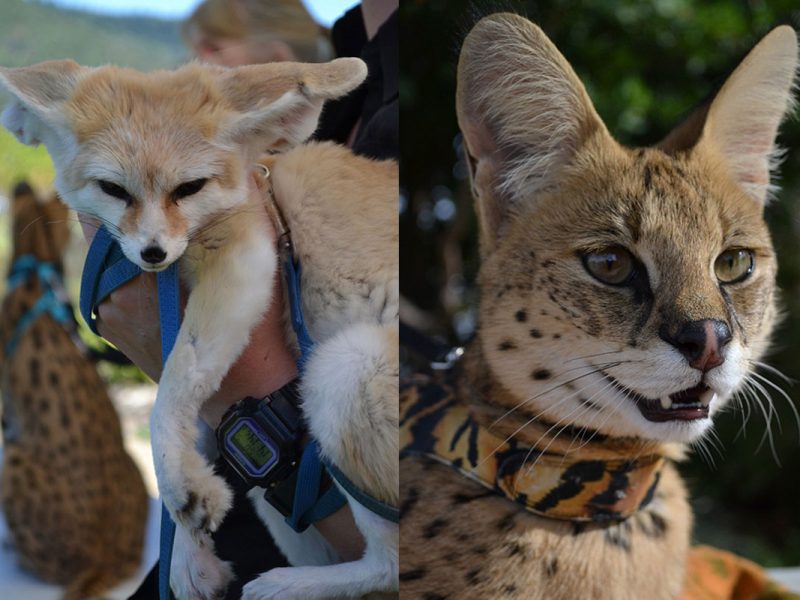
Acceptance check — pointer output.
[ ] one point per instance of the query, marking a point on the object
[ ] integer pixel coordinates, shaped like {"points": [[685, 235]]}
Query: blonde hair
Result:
{"points": [[262, 21]]}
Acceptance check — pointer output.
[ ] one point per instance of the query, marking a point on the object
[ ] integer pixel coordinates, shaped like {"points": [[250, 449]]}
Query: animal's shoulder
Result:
{"points": [[342, 212], [342, 208]]}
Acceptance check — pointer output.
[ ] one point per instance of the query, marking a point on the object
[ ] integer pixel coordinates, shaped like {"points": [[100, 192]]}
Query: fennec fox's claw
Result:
{"points": [[199, 499]]}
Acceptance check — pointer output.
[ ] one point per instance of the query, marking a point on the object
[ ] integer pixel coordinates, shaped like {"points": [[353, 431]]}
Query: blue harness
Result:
{"points": [[53, 300], [107, 268]]}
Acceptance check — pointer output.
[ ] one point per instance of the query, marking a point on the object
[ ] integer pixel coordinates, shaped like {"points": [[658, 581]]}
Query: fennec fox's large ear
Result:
{"points": [[39, 92], [278, 104], [523, 113], [742, 120]]}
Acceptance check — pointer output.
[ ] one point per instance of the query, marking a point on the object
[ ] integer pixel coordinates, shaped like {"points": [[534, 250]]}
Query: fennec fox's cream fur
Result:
{"points": [[624, 296], [74, 500], [164, 161]]}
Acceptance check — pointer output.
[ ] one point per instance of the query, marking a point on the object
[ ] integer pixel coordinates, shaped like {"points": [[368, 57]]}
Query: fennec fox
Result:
{"points": [[164, 161]]}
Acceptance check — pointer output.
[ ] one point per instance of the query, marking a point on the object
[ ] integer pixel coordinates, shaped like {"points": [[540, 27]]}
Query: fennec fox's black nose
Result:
{"points": [[153, 255], [701, 342]]}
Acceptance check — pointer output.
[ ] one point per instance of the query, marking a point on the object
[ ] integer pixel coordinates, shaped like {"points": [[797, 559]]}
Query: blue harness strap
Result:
{"points": [[308, 508], [386, 511], [53, 300], [292, 272], [169, 311], [105, 269]]}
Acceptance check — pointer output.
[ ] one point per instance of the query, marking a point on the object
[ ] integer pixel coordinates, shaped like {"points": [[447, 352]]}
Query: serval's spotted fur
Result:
{"points": [[75, 503], [599, 262]]}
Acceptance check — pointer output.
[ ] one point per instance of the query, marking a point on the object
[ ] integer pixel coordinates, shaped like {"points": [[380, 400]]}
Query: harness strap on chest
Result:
{"points": [[558, 486], [52, 301], [170, 316], [313, 460]]}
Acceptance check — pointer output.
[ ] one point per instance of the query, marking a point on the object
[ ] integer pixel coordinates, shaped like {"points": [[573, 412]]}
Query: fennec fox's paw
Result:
{"points": [[196, 571], [196, 497]]}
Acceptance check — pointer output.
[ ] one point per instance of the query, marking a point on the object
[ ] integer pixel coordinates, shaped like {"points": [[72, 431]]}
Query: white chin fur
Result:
{"points": [[674, 431]]}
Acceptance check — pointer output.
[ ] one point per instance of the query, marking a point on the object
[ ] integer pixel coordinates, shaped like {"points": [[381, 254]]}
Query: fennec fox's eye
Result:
{"points": [[734, 265], [117, 191], [613, 266], [188, 188]]}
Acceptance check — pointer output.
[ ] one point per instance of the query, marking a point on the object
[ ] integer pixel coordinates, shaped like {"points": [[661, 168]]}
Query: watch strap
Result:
{"points": [[282, 494], [285, 403]]}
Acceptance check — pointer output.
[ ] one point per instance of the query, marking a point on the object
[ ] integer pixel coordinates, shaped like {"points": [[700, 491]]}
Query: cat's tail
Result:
{"points": [[350, 401]]}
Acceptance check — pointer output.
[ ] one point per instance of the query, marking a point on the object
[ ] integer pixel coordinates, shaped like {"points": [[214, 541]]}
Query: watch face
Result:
{"points": [[246, 440], [251, 447]]}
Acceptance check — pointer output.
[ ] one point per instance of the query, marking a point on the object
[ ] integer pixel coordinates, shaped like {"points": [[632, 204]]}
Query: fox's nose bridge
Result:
{"points": [[700, 341]]}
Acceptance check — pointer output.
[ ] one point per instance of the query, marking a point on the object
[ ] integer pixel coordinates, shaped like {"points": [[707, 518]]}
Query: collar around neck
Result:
{"points": [[578, 487]]}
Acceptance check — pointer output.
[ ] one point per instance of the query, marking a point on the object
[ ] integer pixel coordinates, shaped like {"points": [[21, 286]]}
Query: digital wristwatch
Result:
{"points": [[261, 440]]}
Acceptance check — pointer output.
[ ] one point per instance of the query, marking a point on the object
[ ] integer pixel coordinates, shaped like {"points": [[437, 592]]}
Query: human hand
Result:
{"points": [[128, 318]]}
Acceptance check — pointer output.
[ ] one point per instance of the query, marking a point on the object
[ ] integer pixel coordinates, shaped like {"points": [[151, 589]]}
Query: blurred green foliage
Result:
{"points": [[645, 65]]}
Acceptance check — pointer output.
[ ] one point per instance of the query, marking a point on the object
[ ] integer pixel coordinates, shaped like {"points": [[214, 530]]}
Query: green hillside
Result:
{"points": [[31, 32]]}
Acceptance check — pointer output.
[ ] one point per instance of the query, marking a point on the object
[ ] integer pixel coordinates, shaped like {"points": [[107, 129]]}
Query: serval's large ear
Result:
{"points": [[523, 113], [742, 120], [39, 93], [277, 105]]}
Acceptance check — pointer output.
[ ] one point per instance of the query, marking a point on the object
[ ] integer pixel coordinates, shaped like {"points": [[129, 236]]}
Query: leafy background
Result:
{"points": [[645, 64]]}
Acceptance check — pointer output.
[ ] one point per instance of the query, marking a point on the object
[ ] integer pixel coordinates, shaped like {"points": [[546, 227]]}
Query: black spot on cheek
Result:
{"points": [[618, 537], [551, 567], [507, 522], [535, 333], [413, 575], [521, 315], [589, 404], [473, 576], [515, 549], [652, 525], [506, 345], [541, 374], [409, 502], [648, 178], [434, 527]]}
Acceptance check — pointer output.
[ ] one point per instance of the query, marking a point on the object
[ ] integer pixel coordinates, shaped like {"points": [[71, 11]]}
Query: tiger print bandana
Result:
{"points": [[434, 424]]}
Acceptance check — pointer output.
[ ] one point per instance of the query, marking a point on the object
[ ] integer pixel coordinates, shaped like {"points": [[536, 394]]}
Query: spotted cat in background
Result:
{"points": [[625, 295], [74, 501]]}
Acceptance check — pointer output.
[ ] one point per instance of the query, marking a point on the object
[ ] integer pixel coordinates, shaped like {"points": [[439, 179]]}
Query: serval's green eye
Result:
{"points": [[614, 265], [734, 265]]}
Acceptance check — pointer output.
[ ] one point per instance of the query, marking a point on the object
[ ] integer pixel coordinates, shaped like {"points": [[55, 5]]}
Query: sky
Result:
{"points": [[324, 11]]}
